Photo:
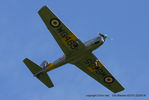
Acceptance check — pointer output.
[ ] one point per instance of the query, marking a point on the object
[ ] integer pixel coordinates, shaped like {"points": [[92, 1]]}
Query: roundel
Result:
{"points": [[108, 79], [55, 23]]}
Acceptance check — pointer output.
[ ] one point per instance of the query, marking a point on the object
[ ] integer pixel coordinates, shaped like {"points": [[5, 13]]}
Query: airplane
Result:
{"points": [[75, 52]]}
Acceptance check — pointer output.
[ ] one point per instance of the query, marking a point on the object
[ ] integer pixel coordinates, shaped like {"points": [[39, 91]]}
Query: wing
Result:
{"points": [[68, 42], [94, 68]]}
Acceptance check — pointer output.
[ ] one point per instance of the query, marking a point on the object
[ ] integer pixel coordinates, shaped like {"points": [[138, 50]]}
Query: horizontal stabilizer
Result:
{"points": [[37, 72]]}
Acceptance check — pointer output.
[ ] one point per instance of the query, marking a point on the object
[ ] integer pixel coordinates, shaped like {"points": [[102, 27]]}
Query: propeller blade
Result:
{"points": [[104, 35]]}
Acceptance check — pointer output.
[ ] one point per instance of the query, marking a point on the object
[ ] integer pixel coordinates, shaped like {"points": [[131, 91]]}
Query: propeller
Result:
{"points": [[104, 36]]}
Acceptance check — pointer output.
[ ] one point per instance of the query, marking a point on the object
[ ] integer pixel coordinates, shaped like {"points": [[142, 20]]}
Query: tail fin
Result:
{"points": [[38, 72], [44, 64]]}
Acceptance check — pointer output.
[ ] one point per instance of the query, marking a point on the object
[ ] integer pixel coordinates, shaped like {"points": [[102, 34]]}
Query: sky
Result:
{"points": [[23, 34]]}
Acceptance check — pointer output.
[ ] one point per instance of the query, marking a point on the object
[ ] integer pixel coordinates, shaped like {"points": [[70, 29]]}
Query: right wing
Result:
{"points": [[94, 68], [68, 42]]}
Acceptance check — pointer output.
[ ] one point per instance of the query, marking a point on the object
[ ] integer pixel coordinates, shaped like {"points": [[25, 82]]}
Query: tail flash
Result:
{"points": [[38, 72]]}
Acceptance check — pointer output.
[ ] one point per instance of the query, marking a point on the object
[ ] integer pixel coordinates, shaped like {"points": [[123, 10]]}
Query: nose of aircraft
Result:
{"points": [[103, 35]]}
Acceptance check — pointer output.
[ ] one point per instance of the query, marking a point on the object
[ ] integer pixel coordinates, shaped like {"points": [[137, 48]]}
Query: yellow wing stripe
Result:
{"points": [[92, 68], [68, 38]]}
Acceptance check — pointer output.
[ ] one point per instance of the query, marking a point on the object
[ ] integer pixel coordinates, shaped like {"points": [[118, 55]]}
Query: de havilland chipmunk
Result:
{"points": [[75, 52]]}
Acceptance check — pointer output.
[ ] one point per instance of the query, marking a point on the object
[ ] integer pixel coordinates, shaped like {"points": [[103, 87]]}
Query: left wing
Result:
{"points": [[68, 42], [94, 68]]}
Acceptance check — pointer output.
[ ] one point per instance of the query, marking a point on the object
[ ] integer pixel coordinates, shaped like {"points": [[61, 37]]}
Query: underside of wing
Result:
{"points": [[68, 42], [94, 68]]}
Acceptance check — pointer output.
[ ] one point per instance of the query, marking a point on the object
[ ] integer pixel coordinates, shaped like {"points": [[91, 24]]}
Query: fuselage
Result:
{"points": [[90, 45], [94, 43]]}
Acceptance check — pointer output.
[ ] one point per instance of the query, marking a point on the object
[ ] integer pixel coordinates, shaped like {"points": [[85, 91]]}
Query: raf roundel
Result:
{"points": [[109, 79], [55, 23]]}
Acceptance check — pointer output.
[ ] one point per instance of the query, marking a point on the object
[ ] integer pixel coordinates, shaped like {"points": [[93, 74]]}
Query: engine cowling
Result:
{"points": [[94, 43]]}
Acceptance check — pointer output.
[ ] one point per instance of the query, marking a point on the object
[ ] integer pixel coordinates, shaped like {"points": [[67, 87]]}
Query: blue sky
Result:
{"points": [[23, 34]]}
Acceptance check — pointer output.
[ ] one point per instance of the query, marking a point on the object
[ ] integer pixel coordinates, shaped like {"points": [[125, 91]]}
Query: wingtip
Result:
{"points": [[122, 89], [51, 86], [43, 7], [25, 59]]}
